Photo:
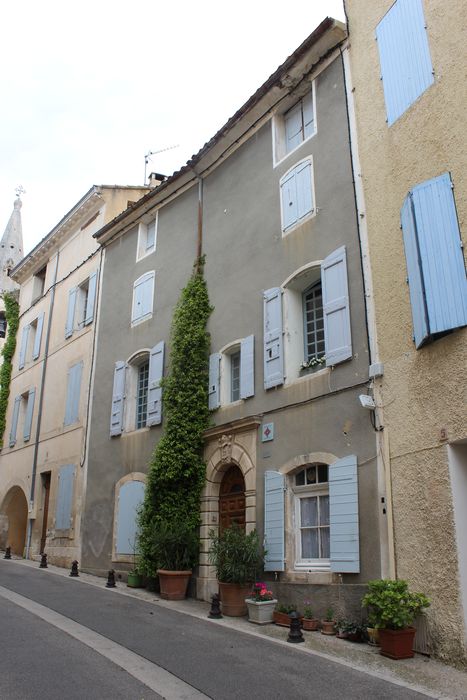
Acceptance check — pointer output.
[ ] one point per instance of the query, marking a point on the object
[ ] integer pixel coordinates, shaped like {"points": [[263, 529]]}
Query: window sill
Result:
{"points": [[135, 431], [140, 320], [308, 375], [316, 577], [145, 255], [294, 150]]}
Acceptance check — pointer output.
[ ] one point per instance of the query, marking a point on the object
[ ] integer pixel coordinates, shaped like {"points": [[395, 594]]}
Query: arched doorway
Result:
{"points": [[232, 499], [15, 510]]}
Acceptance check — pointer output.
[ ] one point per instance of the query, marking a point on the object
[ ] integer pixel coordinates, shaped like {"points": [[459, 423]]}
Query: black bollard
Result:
{"points": [[111, 579], [215, 612], [43, 564], [74, 568], [295, 634], [7, 553]]}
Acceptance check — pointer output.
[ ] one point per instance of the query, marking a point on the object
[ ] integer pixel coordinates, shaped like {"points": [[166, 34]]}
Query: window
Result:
{"points": [[231, 373], [307, 321], [3, 324], [81, 302], [143, 298], [295, 126], [130, 496], [435, 261], [311, 493], [38, 283], [23, 409], [404, 54], [142, 395], [31, 338], [73, 394], [147, 238], [297, 196]]}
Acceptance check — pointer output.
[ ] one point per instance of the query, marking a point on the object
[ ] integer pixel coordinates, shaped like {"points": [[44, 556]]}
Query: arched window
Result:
{"points": [[310, 487]]}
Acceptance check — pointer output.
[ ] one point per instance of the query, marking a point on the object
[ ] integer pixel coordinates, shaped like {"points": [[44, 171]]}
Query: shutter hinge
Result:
{"points": [[406, 280]]}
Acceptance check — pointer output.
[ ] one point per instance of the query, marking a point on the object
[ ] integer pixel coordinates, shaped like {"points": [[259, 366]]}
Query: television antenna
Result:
{"points": [[147, 157]]}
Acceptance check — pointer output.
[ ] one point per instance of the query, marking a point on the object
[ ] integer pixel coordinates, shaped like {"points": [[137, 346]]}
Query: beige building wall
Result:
{"points": [[423, 392]]}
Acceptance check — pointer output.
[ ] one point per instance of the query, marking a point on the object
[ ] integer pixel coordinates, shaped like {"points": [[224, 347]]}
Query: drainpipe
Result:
{"points": [[199, 250], [41, 401]]}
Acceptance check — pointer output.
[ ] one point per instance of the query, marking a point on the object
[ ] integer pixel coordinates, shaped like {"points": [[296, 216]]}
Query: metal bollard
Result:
{"points": [[74, 568], [295, 634], [215, 612], [7, 553], [111, 579], [43, 564]]}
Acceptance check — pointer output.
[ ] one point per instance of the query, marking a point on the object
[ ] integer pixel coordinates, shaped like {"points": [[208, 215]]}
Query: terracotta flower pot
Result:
{"points": [[310, 624], [173, 584], [283, 619], [397, 644], [328, 627], [233, 598]]}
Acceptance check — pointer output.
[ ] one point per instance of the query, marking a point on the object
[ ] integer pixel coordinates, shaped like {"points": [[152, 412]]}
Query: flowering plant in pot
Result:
{"points": [[328, 625], [176, 551], [393, 609], [310, 623], [260, 603]]}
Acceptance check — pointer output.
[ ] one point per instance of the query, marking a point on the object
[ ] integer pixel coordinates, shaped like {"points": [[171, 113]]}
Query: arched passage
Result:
{"points": [[15, 517]]}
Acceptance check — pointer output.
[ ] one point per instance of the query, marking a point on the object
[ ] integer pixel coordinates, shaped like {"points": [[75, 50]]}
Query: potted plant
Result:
{"points": [[260, 604], [342, 627], [372, 631], [135, 577], [281, 614], [176, 551], [237, 558], [310, 623], [350, 630], [328, 625], [393, 609]]}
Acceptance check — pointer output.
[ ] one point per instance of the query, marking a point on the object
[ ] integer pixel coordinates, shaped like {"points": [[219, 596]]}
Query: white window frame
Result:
{"points": [[80, 304], [300, 492], [278, 130], [142, 250], [309, 215], [225, 376], [144, 317]]}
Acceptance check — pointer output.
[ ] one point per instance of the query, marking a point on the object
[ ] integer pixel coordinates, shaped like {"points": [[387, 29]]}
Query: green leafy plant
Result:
{"points": [[175, 546], [177, 471], [329, 617], [12, 321], [236, 556], [287, 609], [307, 610], [391, 604]]}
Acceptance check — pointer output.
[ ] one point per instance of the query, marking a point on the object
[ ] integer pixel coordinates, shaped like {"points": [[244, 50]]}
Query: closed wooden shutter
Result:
{"points": [[274, 524], [214, 376], [14, 421], [73, 394], [29, 414], [421, 330], [289, 201], [293, 127], [91, 299], [273, 341], [343, 515], [38, 337], [336, 307], [304, 189], [143, 297], [116, 415], [64, 497], [130, 497], [23, 347], [247, 367], [156, 371]]}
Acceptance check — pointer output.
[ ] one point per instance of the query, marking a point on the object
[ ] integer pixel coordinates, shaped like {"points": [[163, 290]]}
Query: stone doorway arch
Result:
{"points": [[232, 498], [14, 520]]}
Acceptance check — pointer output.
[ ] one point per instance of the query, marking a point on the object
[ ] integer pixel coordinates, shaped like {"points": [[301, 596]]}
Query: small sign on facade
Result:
{"points": [[267, 432]]}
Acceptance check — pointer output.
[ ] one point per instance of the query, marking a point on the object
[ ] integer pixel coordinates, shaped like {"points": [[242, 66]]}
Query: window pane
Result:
{"points": [[300, 478], [310, 548], [151, 235], [311, 475], [235, 377], [142, 396], [313, 322], [325, 550], [324, 510], [322, 473], [308, 511]]}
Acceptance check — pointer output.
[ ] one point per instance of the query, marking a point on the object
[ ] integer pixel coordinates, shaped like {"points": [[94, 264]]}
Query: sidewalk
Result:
{"points": [[421, 673]]}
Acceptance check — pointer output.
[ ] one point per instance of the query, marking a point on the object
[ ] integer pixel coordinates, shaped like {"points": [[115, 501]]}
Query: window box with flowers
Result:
{"points": [[261, 604]]}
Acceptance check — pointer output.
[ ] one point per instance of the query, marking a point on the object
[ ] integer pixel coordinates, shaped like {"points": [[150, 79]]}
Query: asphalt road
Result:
{"points": [[220, 663]]}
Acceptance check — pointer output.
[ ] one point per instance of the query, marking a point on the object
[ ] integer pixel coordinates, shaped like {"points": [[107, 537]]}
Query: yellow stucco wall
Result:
{"points": [[422, 390]]}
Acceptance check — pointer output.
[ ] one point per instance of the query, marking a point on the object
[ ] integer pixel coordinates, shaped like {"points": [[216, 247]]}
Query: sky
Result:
{"points": [[89, 88]]}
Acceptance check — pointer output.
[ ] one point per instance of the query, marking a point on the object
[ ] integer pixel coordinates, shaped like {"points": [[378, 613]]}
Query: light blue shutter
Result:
{"points": [[441, 255], [14, 421], [151, 235], [414, 274], [28, 416], [343, 515], [247, 367], [116, 416], [23, 346], [289, 200], [274, 489], [308, 115], [130, 497], [293, 127], [214, 375], [304, 189], [64, 497], [404, 55], [143, 296], [336, 307], [90, 301], [38, 337], [156, 371], [73, 394], [273, 344], [70, 316]]}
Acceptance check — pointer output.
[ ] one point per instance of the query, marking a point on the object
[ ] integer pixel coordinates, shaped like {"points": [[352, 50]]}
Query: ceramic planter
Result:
{"points": [[310, 624], [173, 584], [233, 597], [134, 580], [260, 612], [397, 644]]}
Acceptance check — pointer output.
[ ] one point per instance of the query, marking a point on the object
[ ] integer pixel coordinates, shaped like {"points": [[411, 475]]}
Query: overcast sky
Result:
{"points": [[88, 88]]}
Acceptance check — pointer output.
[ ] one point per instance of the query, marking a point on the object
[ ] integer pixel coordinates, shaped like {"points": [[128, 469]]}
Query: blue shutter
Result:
{"points": [[404, 55], [70, 315], [64, 497], [414, 274], [151, 235], [28, 416], [73, 394], [143, 296], [23, 347], [247, 367], [289, 200], [336, 308], [304, 189], [293, 127], [273, 344], [91, 298], [130, 497], [156, 371], [308, 114], [38, 337], [214, 375], [14, 421], [116, 416], [343, 515], [274, 536]]}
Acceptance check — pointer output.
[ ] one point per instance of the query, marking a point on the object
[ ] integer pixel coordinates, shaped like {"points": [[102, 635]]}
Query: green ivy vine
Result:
{"points": [[12, 321], [177, 470]]}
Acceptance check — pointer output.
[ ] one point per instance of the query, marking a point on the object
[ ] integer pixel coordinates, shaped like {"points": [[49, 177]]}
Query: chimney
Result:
{"points": [[156, 179]]}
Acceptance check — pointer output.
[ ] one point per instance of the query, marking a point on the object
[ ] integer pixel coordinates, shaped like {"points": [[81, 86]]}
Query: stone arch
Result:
{"points": [[300, 460], [14, 520]]}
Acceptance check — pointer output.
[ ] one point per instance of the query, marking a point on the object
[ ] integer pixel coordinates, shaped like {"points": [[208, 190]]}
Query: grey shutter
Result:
{"points": [[73, 394], [156, 371], [414, 274], [273, 342], [38, 338], [64, 497], [289, 201], [343, 515], [304, 189], [116, 416], [214, 376], [336, 307], [28, 416], [23, 347], [308, 114], [293, 127], [70, 315], [14, 421], [247, 367], [130, 497], [91, 298], [274, 535]]}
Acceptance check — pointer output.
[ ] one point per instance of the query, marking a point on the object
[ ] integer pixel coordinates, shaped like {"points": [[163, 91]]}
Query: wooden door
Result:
{"points": [[45, 510], [232, 499]]}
